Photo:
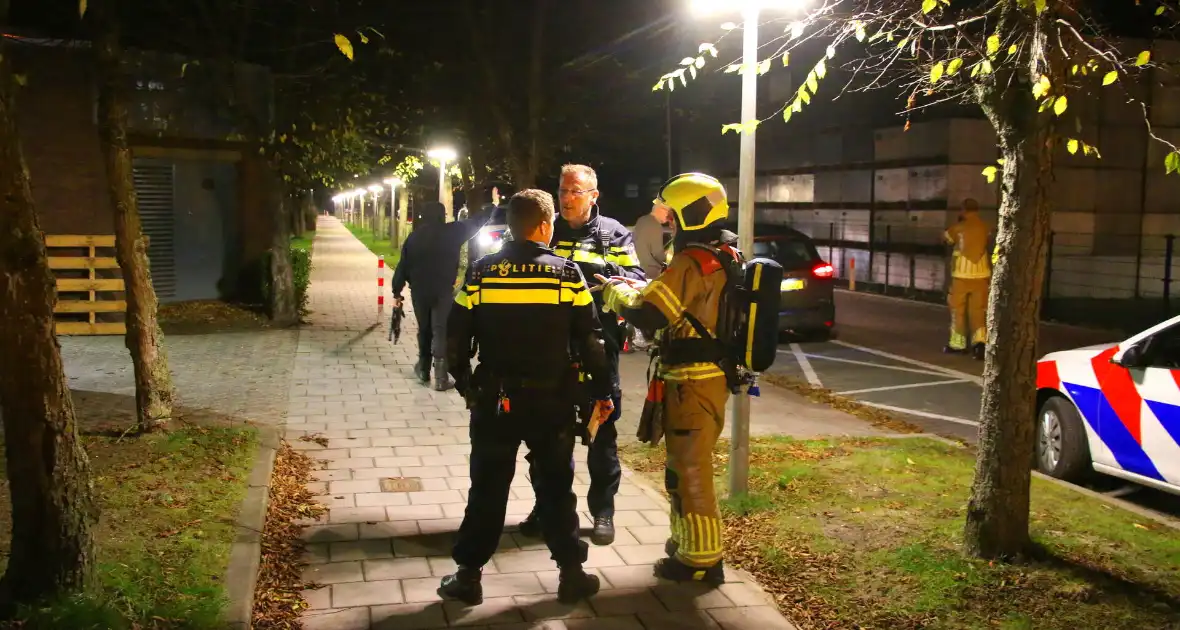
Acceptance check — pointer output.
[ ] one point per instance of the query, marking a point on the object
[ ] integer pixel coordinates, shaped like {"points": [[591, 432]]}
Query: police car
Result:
{"points": [[1113, 408], [491, 236]]}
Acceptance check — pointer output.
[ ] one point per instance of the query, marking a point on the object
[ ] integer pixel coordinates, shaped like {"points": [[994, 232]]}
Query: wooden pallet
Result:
{"points": [[77, 265]]}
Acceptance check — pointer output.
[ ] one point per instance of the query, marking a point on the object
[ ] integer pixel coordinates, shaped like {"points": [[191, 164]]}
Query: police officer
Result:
{"points": [[599, 245], [970, 281], [687, 296], [524, 308]]}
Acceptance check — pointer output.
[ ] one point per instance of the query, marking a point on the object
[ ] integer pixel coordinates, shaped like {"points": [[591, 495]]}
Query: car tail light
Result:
{"points": [[823, 270]]}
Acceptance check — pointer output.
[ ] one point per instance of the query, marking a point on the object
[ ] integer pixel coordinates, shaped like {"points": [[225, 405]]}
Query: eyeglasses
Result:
{"points": [[577, 193]]}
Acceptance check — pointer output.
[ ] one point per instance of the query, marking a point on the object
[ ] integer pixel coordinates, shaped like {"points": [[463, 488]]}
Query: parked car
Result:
{"points": [[807, 308], [1114, 409], [491, 236]]}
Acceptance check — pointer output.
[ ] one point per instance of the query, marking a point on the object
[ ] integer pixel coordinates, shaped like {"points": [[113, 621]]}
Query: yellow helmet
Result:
{"points": [[696, 199]]}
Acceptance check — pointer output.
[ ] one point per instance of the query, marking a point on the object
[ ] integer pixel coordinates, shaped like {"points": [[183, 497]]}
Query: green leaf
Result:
{"points": [[990, 174], [1041, 6], [1143, 58], [731, 127], [812, 82], [975, 70], [344, 45], [952, 68], [860, 31], [364, 40], [936, 72], [733, 67], [183, 68], [903, 42], [804, 95], [786, 59], [928, 5], [821, 69], [1110, 77], [1060, 105], [82, 8], [993, 44], [1072, 146], [764, 67], [787, 113], [1012, 49], [1074, 69], [1158, 10], [1172, 163]]}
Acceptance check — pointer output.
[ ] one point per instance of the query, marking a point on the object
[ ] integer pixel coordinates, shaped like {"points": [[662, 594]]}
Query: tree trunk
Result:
{"points": [[53, 509], [998, 510], [145, 341], [284, 310], [532, 163], [403, 216]]}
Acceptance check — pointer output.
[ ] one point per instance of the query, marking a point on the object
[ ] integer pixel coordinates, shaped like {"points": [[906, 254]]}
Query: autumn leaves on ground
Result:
{"points": [[866, 533]]}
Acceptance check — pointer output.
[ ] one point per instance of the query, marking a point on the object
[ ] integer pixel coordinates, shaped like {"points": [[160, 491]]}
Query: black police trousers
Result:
{"points": [[546, 423]]}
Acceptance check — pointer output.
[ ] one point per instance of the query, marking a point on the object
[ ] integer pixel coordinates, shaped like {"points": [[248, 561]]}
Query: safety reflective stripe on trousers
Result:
{"points": [[698, 539], [971, 270]]}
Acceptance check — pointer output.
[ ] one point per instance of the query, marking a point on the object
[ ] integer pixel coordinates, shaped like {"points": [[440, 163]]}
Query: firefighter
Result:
{"points": [[971, 275], [600, 246], [686, 295], [524, 308]]}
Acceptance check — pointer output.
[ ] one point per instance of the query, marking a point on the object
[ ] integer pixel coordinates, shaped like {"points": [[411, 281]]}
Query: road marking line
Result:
{"points": [[890, 388], [920, 414], [898, 357], [896, 368], [805, 365]]}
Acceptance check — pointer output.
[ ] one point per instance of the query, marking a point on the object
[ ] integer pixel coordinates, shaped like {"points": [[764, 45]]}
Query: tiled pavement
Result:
{"points": [[378, 555]]}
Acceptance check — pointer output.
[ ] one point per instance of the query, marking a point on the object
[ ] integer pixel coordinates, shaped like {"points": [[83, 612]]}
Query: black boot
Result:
{"points": [[422, 370], [463, 585], [604, 531], [950, 350], [442, 380], [574, 584], [675, 570], [670, 548], [530, 527], [978, 351]]}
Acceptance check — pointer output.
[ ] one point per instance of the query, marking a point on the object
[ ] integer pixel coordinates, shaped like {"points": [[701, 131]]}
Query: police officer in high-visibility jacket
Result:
{"points": [[971, 274], [523, 309], [599, 245], [688, 294]]}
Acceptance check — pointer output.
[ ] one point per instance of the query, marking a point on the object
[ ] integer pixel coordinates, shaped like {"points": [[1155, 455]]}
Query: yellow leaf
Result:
{"points": [[364, 40], [821, 69], [928, 5], [1143, 58], [20, 79], [1072, 146], [812, 82], [910, 462], [344, 45], [993, 44], [952, 68], [1110, 77], [1012, 49], [936, 72], [1060, 105], [81, 8], [786, 58], [1137, 525], [990, 174]]}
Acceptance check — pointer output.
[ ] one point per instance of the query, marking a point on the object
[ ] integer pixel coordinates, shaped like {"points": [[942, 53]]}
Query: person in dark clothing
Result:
{"points": [[598, 245], [430, 264], [524, 309]]}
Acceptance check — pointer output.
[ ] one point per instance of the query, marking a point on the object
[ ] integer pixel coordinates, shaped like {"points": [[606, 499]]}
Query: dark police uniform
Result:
{"points": [[601, 246], [525, 309]]}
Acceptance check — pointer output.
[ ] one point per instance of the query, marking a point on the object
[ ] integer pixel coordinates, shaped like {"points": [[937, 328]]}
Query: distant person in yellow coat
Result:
{"points": [[971, 274]]}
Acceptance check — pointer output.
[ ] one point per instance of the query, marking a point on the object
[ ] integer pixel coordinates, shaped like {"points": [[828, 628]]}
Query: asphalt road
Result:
{"points": [[888, 354]]}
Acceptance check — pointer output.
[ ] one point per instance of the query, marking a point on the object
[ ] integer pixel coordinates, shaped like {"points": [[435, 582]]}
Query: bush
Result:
{"points": [[301, 273]]}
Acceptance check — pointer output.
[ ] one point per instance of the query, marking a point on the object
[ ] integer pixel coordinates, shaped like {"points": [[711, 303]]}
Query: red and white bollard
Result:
{"points": [[380, 284]]}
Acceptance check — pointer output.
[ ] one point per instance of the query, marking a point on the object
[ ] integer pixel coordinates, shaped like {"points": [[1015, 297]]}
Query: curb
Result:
{"points": [[245, 556]]}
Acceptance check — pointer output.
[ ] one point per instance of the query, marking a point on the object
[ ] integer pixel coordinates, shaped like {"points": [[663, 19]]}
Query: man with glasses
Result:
{"points": [[600, 246]]}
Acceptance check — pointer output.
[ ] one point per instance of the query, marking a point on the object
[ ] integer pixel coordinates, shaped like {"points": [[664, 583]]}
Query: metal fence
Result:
{"points": [[1115, 281]]}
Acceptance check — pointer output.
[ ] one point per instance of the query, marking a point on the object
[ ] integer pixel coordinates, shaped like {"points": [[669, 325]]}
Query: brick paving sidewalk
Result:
{"points": [[379, 555]]}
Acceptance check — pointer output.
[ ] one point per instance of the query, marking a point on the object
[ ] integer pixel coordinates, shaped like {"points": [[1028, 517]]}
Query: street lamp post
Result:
{"points": [[393, 183], [444, 155], [739, 445]]}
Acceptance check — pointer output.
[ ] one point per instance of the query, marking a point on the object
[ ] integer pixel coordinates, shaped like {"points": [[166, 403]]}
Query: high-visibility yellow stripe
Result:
{"points": [[753, 318], [518, 280], [624, 260], [658, 290], [692, 372], [963, 268], [490, 295], [463, 299], [582, 298]]}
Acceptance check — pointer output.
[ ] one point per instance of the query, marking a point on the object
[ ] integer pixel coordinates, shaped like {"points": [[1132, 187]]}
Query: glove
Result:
{"points": [[602, 411]]}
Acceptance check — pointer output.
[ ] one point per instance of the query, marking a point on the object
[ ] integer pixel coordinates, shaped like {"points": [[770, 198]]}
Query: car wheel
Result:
{"points": [[1062, 450]]}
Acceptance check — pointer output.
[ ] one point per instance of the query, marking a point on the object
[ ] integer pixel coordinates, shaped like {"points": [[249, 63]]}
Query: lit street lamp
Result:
{"points": [[739, 445], [443, 155]]}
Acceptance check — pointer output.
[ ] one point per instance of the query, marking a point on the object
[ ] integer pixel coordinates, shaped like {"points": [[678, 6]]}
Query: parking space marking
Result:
{"points": [[890, 388], [897, 357], [920, 414], [805, 365], [896, 368]]}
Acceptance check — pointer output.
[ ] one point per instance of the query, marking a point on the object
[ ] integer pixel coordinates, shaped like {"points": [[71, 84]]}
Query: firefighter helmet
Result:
{"points": [[696, 199]]}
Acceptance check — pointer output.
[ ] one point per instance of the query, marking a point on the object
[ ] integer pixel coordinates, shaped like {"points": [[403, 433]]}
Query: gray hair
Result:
{"points": [[584, 171]]}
